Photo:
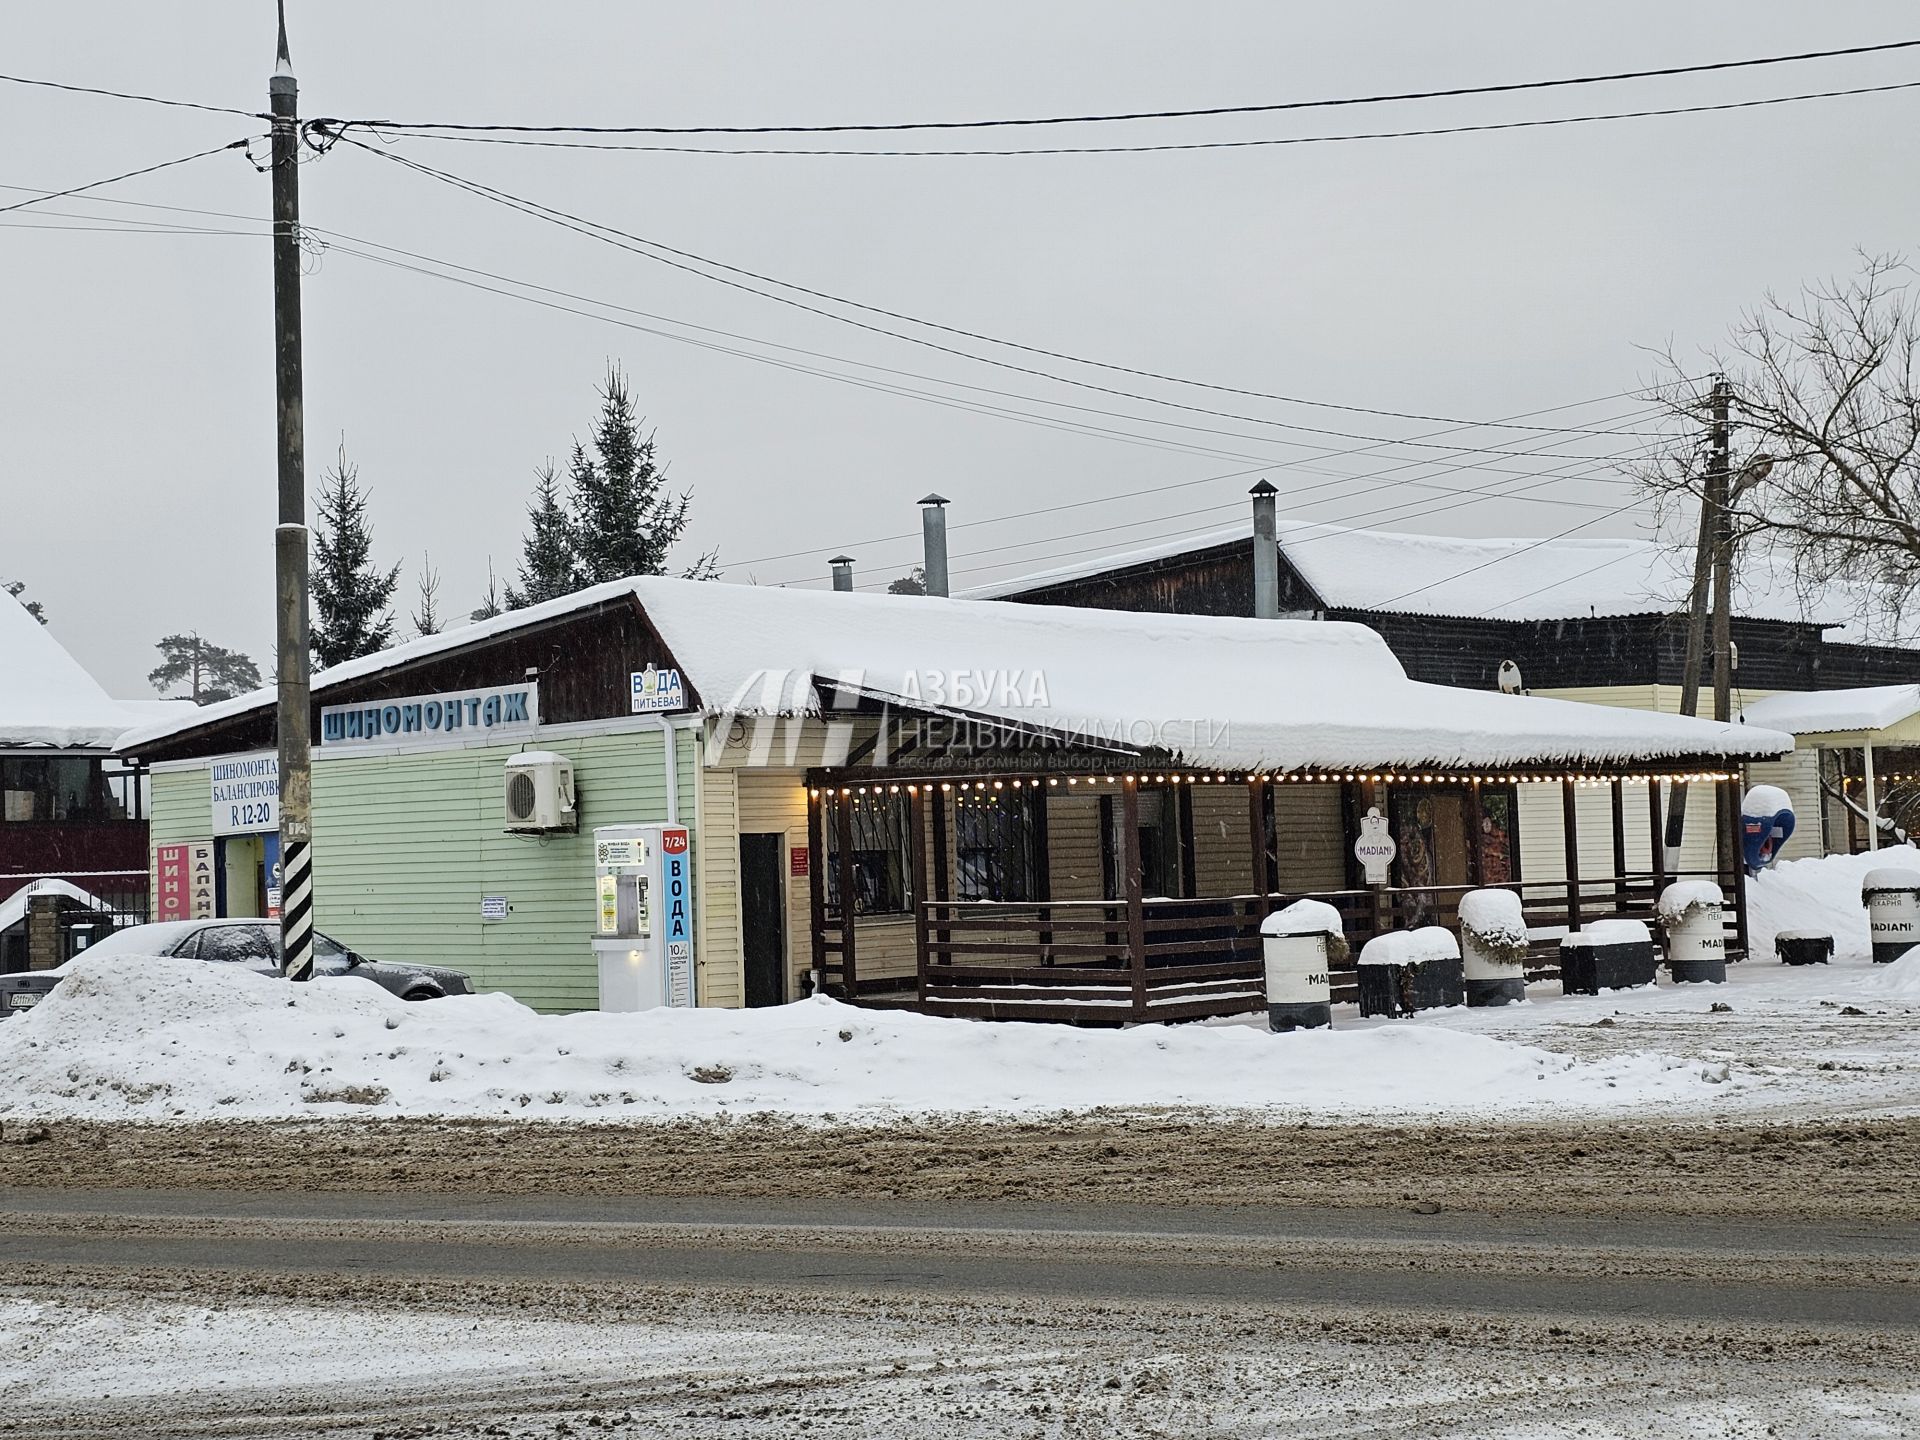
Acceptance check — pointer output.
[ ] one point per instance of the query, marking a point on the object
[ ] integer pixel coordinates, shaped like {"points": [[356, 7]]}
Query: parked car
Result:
{"points": [[252, 943]]}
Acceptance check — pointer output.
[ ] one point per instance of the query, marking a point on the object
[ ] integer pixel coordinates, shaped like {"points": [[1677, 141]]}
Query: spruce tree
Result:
{"points": [[625, 520], [490, 603], [547, 566], [352, 597], [426, 618]]}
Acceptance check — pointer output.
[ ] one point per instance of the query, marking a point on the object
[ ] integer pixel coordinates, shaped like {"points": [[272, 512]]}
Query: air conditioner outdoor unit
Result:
{"points": [[539, 792]]}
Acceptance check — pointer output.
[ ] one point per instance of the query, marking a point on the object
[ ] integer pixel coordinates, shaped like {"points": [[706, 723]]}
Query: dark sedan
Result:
{"points": [[252, 943]]}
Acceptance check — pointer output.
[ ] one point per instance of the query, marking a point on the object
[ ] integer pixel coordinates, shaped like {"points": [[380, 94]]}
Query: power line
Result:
{"points": [[1455, 92], [639, 245], [1172, 146], [130, 95], [1350, 480], [128, 175]]}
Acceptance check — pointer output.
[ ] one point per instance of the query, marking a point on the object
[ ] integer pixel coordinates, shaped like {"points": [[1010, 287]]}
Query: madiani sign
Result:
{"points": [[454, 717]]}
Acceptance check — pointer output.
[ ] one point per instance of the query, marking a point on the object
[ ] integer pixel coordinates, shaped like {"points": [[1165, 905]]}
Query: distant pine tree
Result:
{"points": [[32, 607], [352, 597], [211, 672], [490, 603], [547, 565]]}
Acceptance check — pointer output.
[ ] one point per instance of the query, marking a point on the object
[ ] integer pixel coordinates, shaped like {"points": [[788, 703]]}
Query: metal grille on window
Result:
{"points": [[994, 846], [882, 859]]}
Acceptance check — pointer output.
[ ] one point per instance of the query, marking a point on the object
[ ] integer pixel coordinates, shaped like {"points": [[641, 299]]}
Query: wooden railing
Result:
{"points": [[1075, 960]]}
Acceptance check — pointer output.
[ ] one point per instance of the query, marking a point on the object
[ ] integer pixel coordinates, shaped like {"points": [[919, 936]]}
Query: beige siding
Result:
{"points": [[717, 853], [1073, 840], [1309, 838], [1222, 843]]}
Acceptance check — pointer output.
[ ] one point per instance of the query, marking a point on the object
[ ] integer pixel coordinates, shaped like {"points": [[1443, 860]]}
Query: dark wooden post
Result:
{"points": [[942, 934], [1257, 843], [1736, 843], [1657, 836], [817, 882], [1619, 844], [1131, 880], [1043, 867], [1182, 792], [1476, 850], [917, 824], [1570, 822], [843, 840]]}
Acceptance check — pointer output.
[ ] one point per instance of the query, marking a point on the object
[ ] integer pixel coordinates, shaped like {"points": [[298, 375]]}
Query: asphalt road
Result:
{"points": [[1538, 1265]]}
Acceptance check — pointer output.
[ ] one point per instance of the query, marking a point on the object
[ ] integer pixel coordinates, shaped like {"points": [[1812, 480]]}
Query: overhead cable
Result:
{"points": [[1269, 108]]}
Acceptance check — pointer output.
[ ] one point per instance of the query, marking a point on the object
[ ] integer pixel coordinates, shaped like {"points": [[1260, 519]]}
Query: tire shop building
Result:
{"points": [[975, 808]]}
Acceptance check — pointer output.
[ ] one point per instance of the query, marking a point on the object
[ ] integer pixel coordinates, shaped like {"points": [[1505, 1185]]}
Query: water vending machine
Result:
{"points": [[643, 937]]}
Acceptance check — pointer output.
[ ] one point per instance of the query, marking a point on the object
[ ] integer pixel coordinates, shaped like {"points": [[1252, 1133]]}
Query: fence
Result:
{"points": [[1084, 961], [46, 919]]}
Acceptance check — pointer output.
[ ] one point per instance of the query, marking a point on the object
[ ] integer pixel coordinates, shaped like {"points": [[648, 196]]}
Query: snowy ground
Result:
{"points": [[111, 1363], [184, 1040], [143, 1038]]}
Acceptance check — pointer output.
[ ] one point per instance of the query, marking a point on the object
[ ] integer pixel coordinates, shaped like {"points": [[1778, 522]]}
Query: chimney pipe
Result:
{"points": [[1266, 554], [842, 572], [933, 542]]}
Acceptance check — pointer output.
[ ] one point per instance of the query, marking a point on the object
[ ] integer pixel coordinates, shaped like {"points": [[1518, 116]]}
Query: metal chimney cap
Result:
{"points": [[1263, 488], [935, 499], [841, 560]]}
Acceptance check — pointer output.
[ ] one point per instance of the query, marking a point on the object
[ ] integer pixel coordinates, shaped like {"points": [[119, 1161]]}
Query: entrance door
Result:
{"points": [[763, 917]]}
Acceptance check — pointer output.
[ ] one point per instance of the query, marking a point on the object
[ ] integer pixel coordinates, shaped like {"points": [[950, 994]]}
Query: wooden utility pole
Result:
{"points": [[290, 535], [1712, 588]]}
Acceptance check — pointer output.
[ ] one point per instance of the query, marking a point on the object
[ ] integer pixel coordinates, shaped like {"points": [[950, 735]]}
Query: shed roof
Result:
{"points": [[1832, 712], [1555, 578], [1208, 691]]}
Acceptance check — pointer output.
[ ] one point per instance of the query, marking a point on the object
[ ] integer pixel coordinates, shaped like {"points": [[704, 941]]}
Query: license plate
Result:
{"points": [[23, 1001]]}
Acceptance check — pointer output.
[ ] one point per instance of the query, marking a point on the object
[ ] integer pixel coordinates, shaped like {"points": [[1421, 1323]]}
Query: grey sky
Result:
{"points": [[1480, 275]]}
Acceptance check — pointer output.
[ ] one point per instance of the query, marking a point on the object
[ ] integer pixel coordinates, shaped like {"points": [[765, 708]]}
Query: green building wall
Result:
{"points": [[407, 843]]}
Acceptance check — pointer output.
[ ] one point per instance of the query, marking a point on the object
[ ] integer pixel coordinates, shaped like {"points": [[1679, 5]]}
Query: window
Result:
{"points": [[236, 944], [1162, 871], [996, 846], [882, 859], [54, 787]]}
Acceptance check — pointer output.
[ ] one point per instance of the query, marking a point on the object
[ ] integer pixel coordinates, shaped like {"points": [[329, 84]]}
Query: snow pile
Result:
{"points": [[1899, 981], [1304, 917], [1410, 947], [182, 1039], [1822, 894], [1683, 897], [1617, 932], [1888, 879], [1763, 802]]}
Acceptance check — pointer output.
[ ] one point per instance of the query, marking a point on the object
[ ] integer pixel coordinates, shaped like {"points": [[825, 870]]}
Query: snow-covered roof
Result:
{"points": [[46, 698], [1209, 691], [1502, 579], [1827, 712], [13, 909]]}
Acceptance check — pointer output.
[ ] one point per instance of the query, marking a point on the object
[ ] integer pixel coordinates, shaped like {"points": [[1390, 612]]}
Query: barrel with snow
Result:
{"points": [[1299, 945], [1607, 955], [1407, 970], [1893, 912], [1493, 947], [1690, 911], [1803, 947]]}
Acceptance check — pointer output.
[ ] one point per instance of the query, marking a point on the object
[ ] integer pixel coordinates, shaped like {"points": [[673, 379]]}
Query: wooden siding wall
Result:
{"points": [[1073, 833], [406, 844]]}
